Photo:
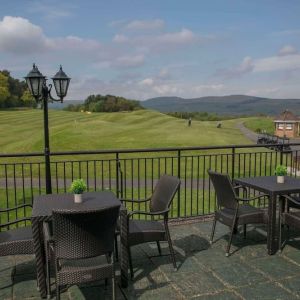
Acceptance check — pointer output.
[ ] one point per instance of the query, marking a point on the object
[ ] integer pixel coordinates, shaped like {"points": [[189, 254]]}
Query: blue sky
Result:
{"points": [[142, 49]]}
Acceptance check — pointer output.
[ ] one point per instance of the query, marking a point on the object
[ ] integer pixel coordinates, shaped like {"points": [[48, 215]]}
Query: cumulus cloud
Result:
{"points": [[277, 63], [129, 61], [161, 42], [246, 66], [50, 12], [19, 36], [120, 38], [288, 59], [147, 82], [287, 50], [143, 25]]}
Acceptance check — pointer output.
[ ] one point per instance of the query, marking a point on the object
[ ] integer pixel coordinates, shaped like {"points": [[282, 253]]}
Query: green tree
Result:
{"points": [[28, 99], [4, 90]]}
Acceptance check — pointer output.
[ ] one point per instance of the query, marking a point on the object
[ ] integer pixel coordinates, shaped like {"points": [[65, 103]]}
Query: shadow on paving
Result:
{"points": [[203, 270]]}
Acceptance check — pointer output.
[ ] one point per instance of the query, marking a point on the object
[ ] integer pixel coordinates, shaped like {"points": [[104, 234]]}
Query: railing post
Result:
{"points": [[117, 174], [281, 156], [178, 175], [233, 163]]}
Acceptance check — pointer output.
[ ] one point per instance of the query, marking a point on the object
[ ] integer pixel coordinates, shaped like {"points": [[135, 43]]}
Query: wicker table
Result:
{"points": [[269, 185], [42, 211]]}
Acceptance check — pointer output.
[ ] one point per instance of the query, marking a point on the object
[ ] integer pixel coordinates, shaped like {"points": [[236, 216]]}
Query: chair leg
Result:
{"points": [[116, 248], [245, 230], [158, 247], [48, 273], [280, 234], [213, 231], [57, 292], [130, 262], [171, 246], [113, 286], [230, 238], [113, 280]]}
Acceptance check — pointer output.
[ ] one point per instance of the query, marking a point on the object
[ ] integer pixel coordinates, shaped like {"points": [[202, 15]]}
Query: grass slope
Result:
{"points": [[258, 124], [22, 131]]}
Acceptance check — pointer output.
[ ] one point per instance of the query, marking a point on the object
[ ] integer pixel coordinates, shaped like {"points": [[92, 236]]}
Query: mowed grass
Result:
{"points": [[22, 131], [260, 123]]}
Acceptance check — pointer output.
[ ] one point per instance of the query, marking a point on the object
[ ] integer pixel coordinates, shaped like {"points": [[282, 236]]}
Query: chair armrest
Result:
{"points": [[253, 198], [135, 200], [135, 212], [291, 199], [241, 187]]}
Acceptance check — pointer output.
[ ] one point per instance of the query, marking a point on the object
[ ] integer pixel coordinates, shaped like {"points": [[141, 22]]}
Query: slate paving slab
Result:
{"points": [[266, 291], [204, 272]]}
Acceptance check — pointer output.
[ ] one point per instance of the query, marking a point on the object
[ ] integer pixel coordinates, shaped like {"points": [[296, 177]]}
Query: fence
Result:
{"points": [[132, 173]]}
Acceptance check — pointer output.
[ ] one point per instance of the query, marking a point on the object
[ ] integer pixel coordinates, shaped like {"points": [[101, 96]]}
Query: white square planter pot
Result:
{"points": [[78, 198], [280, 179]]}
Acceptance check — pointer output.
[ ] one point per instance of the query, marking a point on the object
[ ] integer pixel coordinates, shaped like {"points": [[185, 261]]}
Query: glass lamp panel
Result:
{"points": [[61, 83], [35, 86], [35, 81]]}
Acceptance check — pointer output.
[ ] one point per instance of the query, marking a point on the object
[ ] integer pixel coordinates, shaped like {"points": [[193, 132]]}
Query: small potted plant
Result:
{"points": [[280, 171], [78, 186]]}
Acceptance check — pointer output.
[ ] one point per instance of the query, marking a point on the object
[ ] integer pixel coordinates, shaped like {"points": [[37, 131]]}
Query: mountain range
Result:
{"points": [[228, 105]]}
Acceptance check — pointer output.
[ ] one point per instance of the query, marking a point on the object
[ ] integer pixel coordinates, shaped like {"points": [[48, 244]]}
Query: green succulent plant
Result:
{"points": [[280, 170], [78, 186]]}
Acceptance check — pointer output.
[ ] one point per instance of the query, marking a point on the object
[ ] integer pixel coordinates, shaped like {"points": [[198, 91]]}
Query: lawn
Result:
{"points": [[22, 131], [259, 124]]}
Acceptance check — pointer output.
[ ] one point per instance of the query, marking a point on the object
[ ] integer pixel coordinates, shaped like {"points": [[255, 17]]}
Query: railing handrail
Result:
{"points": [[146, 150]]}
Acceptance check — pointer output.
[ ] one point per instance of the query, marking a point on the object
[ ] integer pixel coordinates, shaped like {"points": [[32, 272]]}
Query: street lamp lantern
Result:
{"points": [[41, 92], [35, 81], [61, 83]]}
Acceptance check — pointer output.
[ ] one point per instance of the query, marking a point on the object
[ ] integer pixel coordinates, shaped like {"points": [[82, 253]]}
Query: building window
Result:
{"points": [[289, 126], [280, 126]]}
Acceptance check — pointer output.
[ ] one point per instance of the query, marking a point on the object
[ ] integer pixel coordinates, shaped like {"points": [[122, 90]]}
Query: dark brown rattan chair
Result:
{"points": [[230, 211], [143, 231], [288, 216], [82, 245], [18, 240]]}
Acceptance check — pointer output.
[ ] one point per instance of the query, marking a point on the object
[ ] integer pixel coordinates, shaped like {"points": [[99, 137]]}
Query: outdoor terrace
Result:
{"points": [[204, 272]]}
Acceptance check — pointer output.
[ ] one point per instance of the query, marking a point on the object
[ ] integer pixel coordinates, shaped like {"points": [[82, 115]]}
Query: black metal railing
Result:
{"points": [[132, 173]]}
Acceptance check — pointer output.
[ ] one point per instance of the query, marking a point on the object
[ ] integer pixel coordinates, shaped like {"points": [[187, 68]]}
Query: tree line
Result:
{"points": [[203, 116], [13, 92], [108, 103]]}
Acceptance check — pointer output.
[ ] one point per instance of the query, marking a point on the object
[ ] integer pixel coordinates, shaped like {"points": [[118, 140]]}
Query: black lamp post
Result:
{"points": [[41, 92]]}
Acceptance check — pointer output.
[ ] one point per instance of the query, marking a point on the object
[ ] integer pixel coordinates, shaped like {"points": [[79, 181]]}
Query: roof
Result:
{"points": [[286, 116]]}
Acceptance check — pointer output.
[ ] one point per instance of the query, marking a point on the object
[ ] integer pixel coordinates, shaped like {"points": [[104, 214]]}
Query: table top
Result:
{"points": [[43, 205], [268, 184]]}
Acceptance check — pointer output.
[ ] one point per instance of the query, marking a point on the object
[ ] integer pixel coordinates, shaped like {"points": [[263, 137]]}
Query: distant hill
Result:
{"points": [[233, 104]]}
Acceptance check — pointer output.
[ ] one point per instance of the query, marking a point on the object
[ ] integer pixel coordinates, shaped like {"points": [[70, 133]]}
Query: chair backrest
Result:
{"points": [[84, 234], [164, 193], [226, 196]]}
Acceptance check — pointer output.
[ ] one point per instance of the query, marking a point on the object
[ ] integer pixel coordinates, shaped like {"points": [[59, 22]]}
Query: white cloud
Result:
{"points": [[19, 36], [143, 25], [129, 61], [287, 32], [185, 36], [147, 82], [161, 42], [120, 38], [287, 60], [287, 50], [246, 66], [277, 63]]}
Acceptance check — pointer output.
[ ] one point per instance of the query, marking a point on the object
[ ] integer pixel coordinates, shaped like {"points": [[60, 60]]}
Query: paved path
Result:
{"points": [[252, 136]]}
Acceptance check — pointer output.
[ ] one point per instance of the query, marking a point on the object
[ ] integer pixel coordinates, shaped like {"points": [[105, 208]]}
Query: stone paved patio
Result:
{"points": [[204, 272]]}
